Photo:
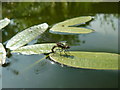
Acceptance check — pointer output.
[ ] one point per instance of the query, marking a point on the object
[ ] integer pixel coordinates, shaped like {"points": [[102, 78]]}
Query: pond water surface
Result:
{"points": [[47, 74]]}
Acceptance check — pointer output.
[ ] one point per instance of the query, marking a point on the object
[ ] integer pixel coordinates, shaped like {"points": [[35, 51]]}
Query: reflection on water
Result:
{"points": [[105, 37], [47, 74], [0, 42], [41, 67], [0, 19]]}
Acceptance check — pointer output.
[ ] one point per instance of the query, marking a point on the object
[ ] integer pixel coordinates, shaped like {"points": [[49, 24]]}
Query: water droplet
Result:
{"points": [[52, 62], [62, 65], [18, 53]]}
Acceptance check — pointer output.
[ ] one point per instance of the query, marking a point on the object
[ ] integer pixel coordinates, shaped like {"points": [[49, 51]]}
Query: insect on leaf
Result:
{"points": [[26, 36], [4, 22], [88, 60], [2, 54]]}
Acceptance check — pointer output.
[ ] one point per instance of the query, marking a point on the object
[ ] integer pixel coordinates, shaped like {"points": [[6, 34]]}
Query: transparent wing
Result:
{"points": [[63, 42]]}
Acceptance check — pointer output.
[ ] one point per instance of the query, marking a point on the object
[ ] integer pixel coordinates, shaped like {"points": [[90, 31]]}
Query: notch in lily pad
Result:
{"points": [[66, 27]]}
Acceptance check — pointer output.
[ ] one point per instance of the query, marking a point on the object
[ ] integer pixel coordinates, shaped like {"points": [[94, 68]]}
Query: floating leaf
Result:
{"points": [[77, 20], [70, 30], [2, 54], [88, 60], [66, 26], [35, 49], [26, 36], [4, 22]]}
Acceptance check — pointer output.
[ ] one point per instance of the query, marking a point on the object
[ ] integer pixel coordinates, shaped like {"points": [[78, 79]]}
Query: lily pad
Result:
{"points": [[26, 36], [35, 49], [2, 54], [70, 30], [66, 26], [4, 22], [88, 60], [77, 20]]}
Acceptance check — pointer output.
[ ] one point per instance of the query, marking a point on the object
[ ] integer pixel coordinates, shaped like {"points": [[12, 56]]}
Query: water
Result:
{"points": [[47, 74]]}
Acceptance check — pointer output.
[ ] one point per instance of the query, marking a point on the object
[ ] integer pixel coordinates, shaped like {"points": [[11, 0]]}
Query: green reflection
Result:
{"points": [[26, 14]]}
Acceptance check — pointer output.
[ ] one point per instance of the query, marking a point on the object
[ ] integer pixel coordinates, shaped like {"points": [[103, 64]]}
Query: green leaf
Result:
{"points": [[88, 60], [35, 49], [70, 30], [77, 20], [26, 36], [4, 22], [65, 27], [2, 54]]}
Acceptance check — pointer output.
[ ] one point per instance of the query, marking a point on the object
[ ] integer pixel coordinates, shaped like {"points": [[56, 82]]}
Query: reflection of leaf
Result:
{"points": [[65, 26], [33, 64], [2, 54], [4, 22], [26, 36], [89, 60], [35, 49]]}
